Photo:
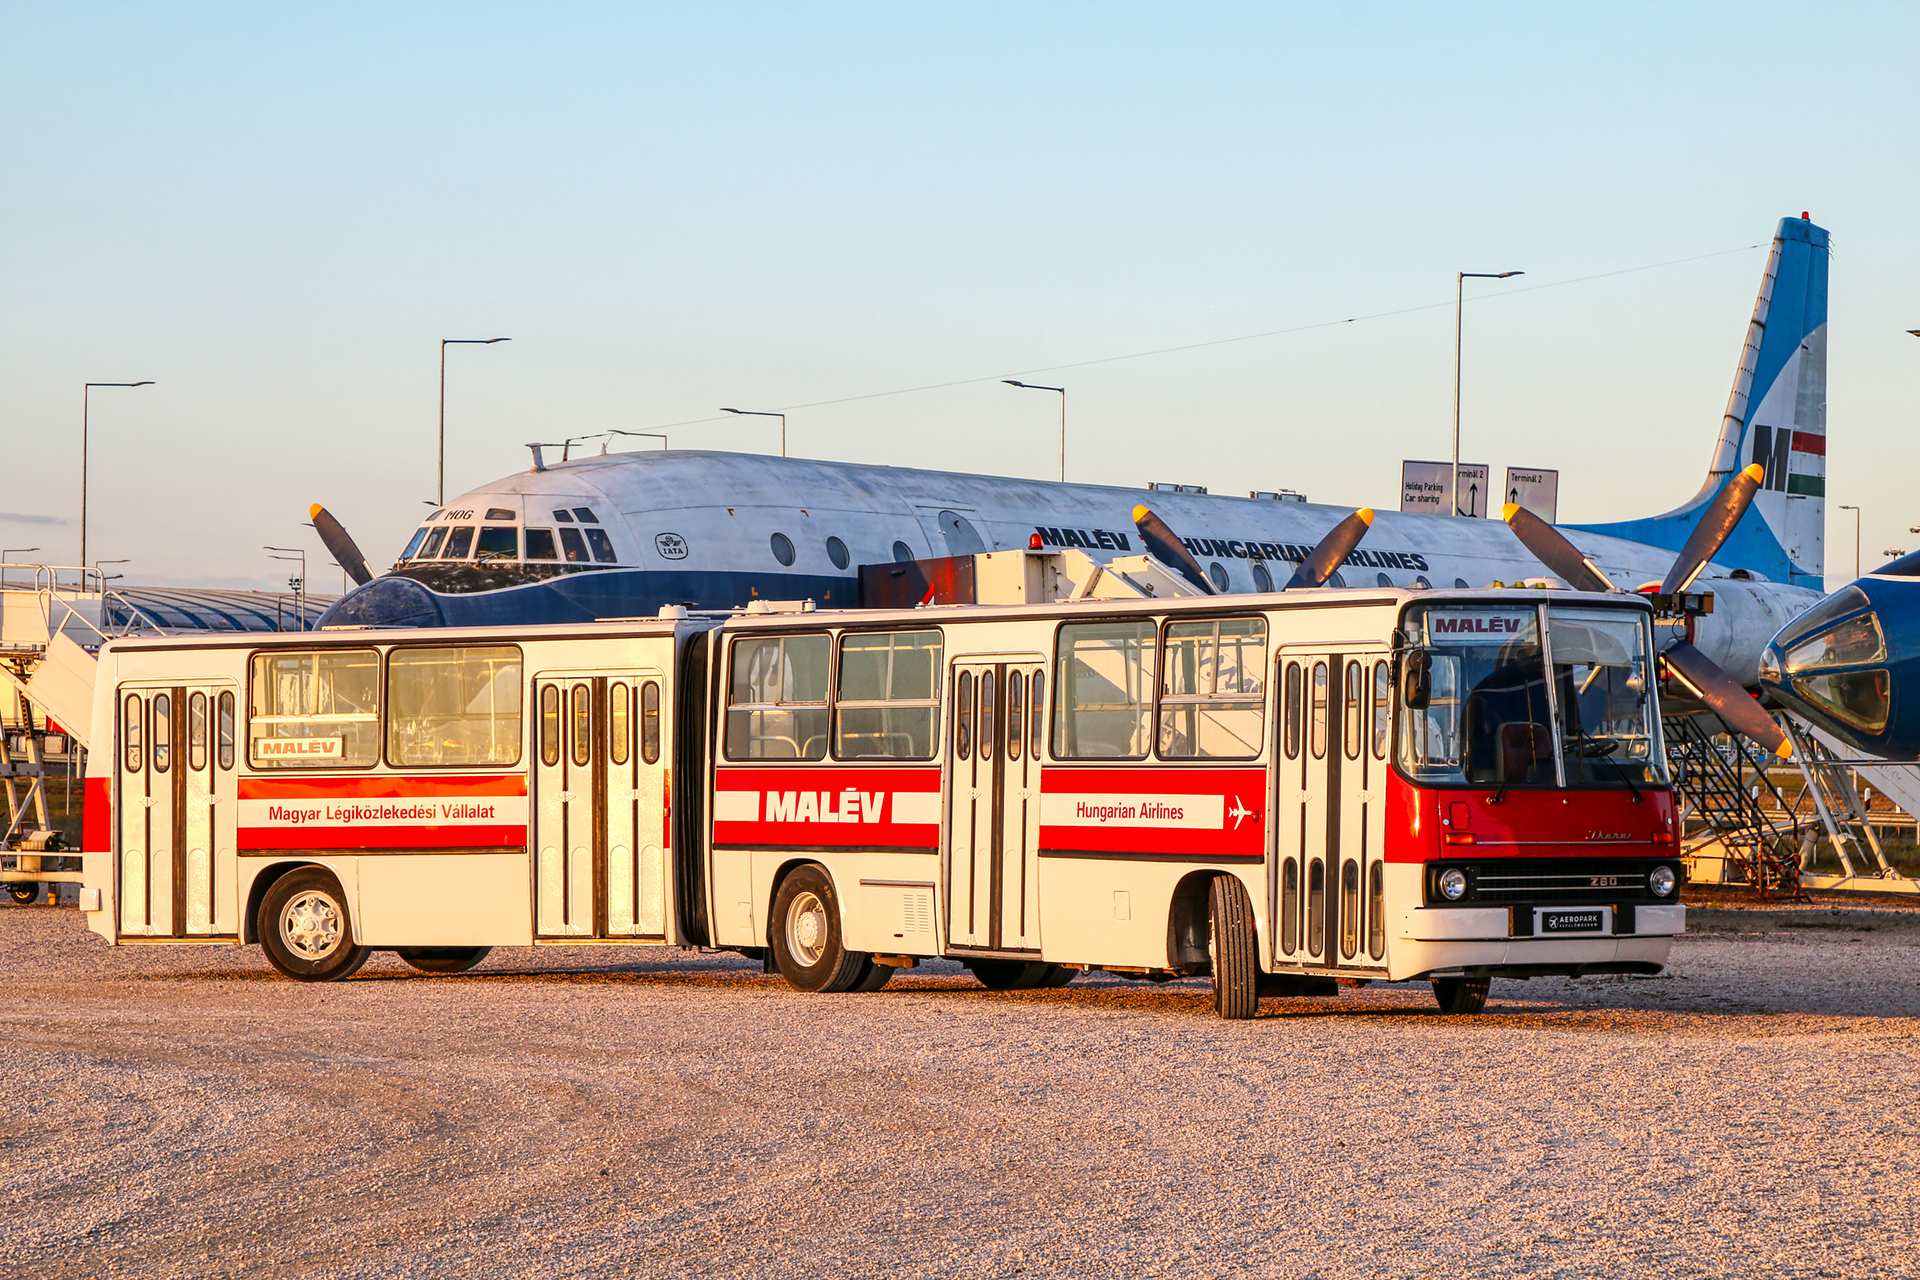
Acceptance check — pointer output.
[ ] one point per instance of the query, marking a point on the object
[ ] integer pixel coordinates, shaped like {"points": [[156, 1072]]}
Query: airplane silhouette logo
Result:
{"points": [[1239, 813]]}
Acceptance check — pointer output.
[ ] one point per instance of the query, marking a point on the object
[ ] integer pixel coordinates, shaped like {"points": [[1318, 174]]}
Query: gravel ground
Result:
{"points": [[583, 1112]]}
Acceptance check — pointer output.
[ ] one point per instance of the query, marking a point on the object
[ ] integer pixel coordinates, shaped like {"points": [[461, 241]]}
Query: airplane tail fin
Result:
{"points": [[1776, 417]]}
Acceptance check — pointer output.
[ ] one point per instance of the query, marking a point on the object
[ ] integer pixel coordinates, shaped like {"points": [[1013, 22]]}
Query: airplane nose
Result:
{"points": [[385, 602]]}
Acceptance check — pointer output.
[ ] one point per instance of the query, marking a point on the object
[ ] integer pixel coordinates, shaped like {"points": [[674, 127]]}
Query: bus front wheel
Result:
{"points": [[1461, 995], [1232, 947], [305, 929], [807, 944]]}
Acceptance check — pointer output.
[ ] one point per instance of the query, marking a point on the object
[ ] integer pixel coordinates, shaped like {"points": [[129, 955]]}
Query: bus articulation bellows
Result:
{"points": [[1273, 790]]}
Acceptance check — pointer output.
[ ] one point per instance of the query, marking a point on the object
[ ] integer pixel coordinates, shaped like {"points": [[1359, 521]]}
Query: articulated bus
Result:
{"points": [[1279, 791]]}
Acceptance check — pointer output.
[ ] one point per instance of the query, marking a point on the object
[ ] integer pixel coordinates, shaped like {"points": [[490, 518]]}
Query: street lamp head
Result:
{"points": [[1507, 274]]}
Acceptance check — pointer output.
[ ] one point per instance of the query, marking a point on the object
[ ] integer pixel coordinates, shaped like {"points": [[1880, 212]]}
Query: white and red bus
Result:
{"points": [[1277, 790]]}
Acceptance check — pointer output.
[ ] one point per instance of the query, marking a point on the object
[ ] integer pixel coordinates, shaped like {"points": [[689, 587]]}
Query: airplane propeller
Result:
{"points": [[1697, 673], [1327, 555], [339, 543]]}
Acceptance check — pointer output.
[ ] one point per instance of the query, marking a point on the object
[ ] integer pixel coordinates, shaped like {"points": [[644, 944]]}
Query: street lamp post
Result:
{"points": [[1856, 537], [762, 413], [299, 584], [1031, 386], [100, 574], [1459, 312], [85, 406], [441, 488]]}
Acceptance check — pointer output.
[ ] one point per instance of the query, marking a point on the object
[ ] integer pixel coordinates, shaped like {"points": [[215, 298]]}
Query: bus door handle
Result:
{"points": [[566, 797]]}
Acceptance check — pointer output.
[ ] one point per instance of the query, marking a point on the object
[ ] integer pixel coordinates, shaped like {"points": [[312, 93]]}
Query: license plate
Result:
{"points": [[1580, 920]]}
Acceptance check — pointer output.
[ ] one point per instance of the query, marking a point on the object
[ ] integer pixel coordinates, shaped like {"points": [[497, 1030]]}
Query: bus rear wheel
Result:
{"points": [[1009, 975], [1233, 950], [443, 959], [305, 930], [1461, 995], [24, 894], [807, 946]]}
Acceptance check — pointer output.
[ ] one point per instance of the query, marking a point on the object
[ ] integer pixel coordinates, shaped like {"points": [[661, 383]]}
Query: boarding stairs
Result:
{"points": [[1858, 864], [1728, 835]]}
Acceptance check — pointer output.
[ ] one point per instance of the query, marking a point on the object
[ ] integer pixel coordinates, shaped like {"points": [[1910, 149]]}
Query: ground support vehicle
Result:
{"points": [[1278, 791]]}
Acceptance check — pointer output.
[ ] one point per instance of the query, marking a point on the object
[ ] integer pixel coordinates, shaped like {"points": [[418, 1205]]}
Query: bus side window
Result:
{"points": [[1016, 713], [988, 705], [582, 724], [1377, 912], [550, 724], [1319, 713], [314, 708], [1290, 904], [777, 697], [1103, 690], [130, 736], [650, 721], [162, 732], [886, 704], [225, 730], [619, 722], [1382, 705], [1349, 908], [1316, 907], [1350, 728], [196, 731], [1213, 689], [1293, 712], [454, 706], [963, 716]]}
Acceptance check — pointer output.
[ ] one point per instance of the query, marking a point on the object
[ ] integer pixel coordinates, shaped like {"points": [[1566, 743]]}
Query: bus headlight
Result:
{"points": [[1661, 880], [1453, 884]]}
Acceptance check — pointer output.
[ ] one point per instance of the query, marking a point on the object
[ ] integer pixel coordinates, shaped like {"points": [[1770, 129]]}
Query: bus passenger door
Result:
{"points": [[993, 816], [1307, 825], [208, 797], [600, 841], [144, 787]]}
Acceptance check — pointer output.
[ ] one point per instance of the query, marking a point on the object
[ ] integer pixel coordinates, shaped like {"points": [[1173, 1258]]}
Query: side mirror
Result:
{"points": [[1416, 680]]}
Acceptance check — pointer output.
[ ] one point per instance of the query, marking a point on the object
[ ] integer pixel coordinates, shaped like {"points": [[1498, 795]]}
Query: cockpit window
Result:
{"points": [[602, 546], [1836, 606], [413, 544], [431, 547], [575, 546], [500, 513], [459, 543], [541, 546], [585, 515], [562, 515], [1845, 644], [1858, 698], [498, 544]]}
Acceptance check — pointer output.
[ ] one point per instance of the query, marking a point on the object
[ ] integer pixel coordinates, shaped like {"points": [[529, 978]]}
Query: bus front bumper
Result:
{"points": [[1534, 942]]}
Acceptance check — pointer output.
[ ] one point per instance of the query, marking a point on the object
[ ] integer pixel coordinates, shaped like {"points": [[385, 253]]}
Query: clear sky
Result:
{"points": [[275, 212]]}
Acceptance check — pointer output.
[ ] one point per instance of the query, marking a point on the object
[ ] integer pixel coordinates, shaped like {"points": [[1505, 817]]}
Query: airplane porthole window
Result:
{"points": [[1422, 584], [837, 552], [1262, 580], [1460, 582], [902, 553], [782, 548], [1217, 575], [1382, 579], [1336, 581]]}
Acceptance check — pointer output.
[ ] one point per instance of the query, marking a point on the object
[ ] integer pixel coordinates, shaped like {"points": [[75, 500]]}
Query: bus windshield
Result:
{"points": [[1484, 710]]}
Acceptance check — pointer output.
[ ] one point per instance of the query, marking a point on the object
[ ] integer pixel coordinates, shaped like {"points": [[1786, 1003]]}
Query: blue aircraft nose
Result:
{"points": [[1842, 664], [385, 602]]}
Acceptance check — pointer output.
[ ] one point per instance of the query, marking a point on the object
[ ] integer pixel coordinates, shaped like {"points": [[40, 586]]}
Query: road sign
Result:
{"points": [[1426, 486], [1536, 490]]}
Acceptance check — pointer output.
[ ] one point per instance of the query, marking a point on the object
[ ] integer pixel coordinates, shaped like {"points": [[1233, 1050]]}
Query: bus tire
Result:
{"points": [[807, 945], [24, 894], [1058, 975], [872, 976], [1008, 975], [1231, 946], [1461, 995], [305, 929], [442, 959]]}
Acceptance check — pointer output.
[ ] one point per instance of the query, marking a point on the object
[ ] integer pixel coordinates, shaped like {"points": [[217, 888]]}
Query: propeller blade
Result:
{"points": [[1168, 550], [1717, 519], [339, 544], [1331, 551], [1551, 548], [1702, 677]]}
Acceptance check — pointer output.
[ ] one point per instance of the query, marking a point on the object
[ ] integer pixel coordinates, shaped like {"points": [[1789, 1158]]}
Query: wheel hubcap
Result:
{"points": [[312, 925], [807, 928]]}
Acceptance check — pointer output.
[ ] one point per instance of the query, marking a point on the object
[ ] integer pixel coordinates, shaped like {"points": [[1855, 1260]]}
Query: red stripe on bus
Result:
{"points": [[1122, 810], [383, 787], [96, 835], [826, 805]]}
